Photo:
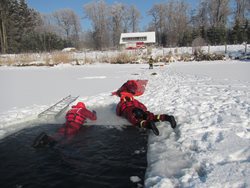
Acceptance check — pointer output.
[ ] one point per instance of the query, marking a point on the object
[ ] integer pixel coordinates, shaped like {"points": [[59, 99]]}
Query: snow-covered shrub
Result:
{"points": [[6, 60], [198, 43], [61, 57], [122, 58]]}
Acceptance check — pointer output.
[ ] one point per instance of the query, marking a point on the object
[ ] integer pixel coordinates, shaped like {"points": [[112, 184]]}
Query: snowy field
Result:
{"points": [[210, 100]]}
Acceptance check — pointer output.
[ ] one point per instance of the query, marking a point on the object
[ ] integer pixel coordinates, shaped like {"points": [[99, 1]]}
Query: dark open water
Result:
{"points": [[96, 157]]}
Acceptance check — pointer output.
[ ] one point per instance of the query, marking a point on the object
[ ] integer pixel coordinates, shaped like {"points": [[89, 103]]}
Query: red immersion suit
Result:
{"points": [[75, 118]]}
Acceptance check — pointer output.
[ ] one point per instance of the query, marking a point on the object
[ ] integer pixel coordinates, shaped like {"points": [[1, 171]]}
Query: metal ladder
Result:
{"points": [[59, 107]]}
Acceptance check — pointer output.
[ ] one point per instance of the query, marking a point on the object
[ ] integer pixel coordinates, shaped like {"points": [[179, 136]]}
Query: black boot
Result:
{"points": [[43, 140], [151, 125], [171, 120]]}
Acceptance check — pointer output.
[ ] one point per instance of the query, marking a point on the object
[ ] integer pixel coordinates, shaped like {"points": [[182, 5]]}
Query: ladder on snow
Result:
{"points": [[56, 109]]}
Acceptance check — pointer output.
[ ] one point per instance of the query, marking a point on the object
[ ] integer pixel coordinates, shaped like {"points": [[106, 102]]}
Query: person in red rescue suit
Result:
{"points": [[75, 118], [138, 115]]}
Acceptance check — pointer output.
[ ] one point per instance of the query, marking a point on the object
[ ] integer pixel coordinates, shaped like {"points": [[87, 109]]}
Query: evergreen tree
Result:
{"points": [[16, 20], [235, 33], [239, 32], [217, 35], [186, 40], [244, 29], [39, 42], [14, 32], [248, 32]]}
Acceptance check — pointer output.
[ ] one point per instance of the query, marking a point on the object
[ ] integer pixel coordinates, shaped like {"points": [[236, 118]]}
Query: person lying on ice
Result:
{"points": [[75, 118], [136, 113]]}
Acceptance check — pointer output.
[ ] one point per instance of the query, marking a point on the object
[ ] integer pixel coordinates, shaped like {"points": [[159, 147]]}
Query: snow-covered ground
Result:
{"points": [[210, 100]]}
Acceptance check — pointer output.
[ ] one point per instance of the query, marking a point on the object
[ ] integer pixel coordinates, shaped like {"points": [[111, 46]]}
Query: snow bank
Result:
{"points": [[211, 147]]}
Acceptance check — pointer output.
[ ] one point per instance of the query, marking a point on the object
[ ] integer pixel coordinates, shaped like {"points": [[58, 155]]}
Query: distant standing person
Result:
{"points": [[75, 118], [150, 62]]}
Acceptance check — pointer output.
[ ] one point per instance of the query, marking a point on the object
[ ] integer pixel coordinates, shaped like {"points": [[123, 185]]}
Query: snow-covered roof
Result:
{"points": [[146, 37]]}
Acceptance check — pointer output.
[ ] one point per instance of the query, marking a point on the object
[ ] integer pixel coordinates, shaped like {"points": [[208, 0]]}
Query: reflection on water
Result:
{"points": [[96, 157]]}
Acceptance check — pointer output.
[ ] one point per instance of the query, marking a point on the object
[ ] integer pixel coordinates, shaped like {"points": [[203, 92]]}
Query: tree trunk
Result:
{"points": [[245, 48], [3, 35], [1, 38]]}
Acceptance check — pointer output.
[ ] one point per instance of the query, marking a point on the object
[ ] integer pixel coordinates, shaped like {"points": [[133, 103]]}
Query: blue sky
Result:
{"points": [[49, 6]]}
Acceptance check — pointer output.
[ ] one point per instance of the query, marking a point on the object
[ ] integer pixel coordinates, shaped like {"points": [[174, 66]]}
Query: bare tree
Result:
{"points": [[117, 17], [47, 24], [170, 20], [201, 19], [76, 30], [123, 19], [241, 10], [134, 18], [98, 13], [126, 20], [158, 14], [218, 11], [69, 22], [179, 22]]}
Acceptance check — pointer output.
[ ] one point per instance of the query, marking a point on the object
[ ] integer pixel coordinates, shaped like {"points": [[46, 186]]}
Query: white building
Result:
{"points": [[137, 40]]}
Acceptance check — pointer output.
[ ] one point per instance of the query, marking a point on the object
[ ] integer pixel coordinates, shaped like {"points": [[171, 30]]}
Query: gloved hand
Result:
{"points": [[94, 112], [151, 125], [171, 120]]}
